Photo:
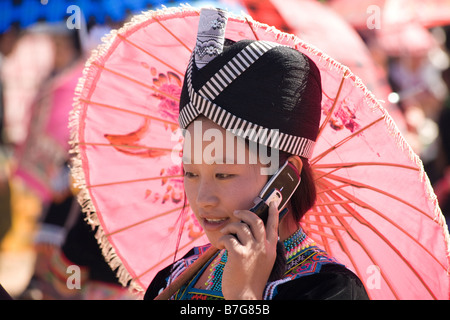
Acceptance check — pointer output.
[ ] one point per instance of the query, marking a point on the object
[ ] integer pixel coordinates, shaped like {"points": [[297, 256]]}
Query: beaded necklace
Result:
{"points": [[214, 281], [297, 242]]}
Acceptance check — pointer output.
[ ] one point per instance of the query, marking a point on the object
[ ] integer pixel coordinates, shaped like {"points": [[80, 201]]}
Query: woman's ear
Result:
{"points": [[296, 162]]}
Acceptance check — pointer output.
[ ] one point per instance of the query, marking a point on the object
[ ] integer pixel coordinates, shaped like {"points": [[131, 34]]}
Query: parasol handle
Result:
{"points": [[187, 274]]}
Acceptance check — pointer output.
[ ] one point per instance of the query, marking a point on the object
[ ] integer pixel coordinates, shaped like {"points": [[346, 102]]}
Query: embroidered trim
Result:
{"points": [[306, 262], [214, 281], [210, 47], [210, 35], [180, 265], [296, 243]]}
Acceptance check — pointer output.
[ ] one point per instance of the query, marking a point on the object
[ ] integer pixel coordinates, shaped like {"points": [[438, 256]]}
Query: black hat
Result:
{"points": [[259, 90]]}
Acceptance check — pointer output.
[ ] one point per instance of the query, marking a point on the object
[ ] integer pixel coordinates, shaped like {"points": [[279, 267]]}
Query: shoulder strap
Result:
{"points": [[186, 275]]}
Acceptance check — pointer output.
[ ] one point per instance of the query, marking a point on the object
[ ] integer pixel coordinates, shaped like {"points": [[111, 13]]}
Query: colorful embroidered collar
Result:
{"points": [[303, 258]]}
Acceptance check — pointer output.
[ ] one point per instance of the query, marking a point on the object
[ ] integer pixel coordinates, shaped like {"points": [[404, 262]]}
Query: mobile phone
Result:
{"points": [[280, 187]]}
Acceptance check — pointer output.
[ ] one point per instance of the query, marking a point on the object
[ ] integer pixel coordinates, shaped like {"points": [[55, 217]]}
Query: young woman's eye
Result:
{"points": [[223, 176], [188, 174]]}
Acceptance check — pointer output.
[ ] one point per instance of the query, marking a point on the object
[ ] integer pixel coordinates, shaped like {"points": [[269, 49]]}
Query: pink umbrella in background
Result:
{"points": [[400, 25], [433, 13], [376, 211], [428, 13], [405, 39], [356, 13], [322, 27]]}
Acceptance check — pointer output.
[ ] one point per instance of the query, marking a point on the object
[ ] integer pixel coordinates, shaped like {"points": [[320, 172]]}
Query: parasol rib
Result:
{"points": [[356, 184], [127, 111], [169, 96], [359, 164], [363, 221], [324, 175], [355, 238], [332, 203], [323, 236], [131, 181], [332, 188], [324, 213], [97, 144], [251, 28], [323, 224], [367, 206], [337, 167], [343, 141], [149, 54], [338, 236], [172, 34], [143, 221], [330, 112]]}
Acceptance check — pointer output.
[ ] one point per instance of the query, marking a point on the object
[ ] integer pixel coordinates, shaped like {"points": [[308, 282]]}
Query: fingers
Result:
{"points": [[240, 231], [272, 224], [251, 228], [255, 224], [259, 231], [230, 243]]}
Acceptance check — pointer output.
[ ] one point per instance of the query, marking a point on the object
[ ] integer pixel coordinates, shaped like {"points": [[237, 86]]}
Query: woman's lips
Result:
{"points": [[213, 224]]}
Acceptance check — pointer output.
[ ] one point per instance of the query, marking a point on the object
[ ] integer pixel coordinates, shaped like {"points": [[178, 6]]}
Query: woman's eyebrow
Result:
{"points": [[224, 160]]}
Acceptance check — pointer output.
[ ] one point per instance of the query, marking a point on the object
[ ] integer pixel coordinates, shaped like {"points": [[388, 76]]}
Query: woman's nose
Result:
{"points": [[207, 194]]}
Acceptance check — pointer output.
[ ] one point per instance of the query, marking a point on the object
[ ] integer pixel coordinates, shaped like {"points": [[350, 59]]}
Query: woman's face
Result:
{"points": [[216, 181]]}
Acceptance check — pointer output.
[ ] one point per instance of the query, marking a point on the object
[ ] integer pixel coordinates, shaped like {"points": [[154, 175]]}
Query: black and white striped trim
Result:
{"points": [[200, 103], [234, 68]]}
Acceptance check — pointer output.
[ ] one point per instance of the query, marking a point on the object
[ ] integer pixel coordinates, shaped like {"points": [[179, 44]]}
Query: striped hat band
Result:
{"points": [[200, 103]]}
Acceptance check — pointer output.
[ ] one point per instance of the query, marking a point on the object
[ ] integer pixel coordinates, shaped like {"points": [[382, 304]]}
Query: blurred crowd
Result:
{"points": [[39, 69]]}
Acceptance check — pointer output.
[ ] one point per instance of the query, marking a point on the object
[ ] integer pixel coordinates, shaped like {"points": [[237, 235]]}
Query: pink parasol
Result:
{"points": [[376, 211]]}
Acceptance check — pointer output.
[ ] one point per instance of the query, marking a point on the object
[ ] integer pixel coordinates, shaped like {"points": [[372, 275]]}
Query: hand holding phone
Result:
{"points": [[280, 189], [261, 209]]}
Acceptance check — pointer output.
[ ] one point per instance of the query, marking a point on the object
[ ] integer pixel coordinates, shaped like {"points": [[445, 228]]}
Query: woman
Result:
{"points": [[264, 95]]}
